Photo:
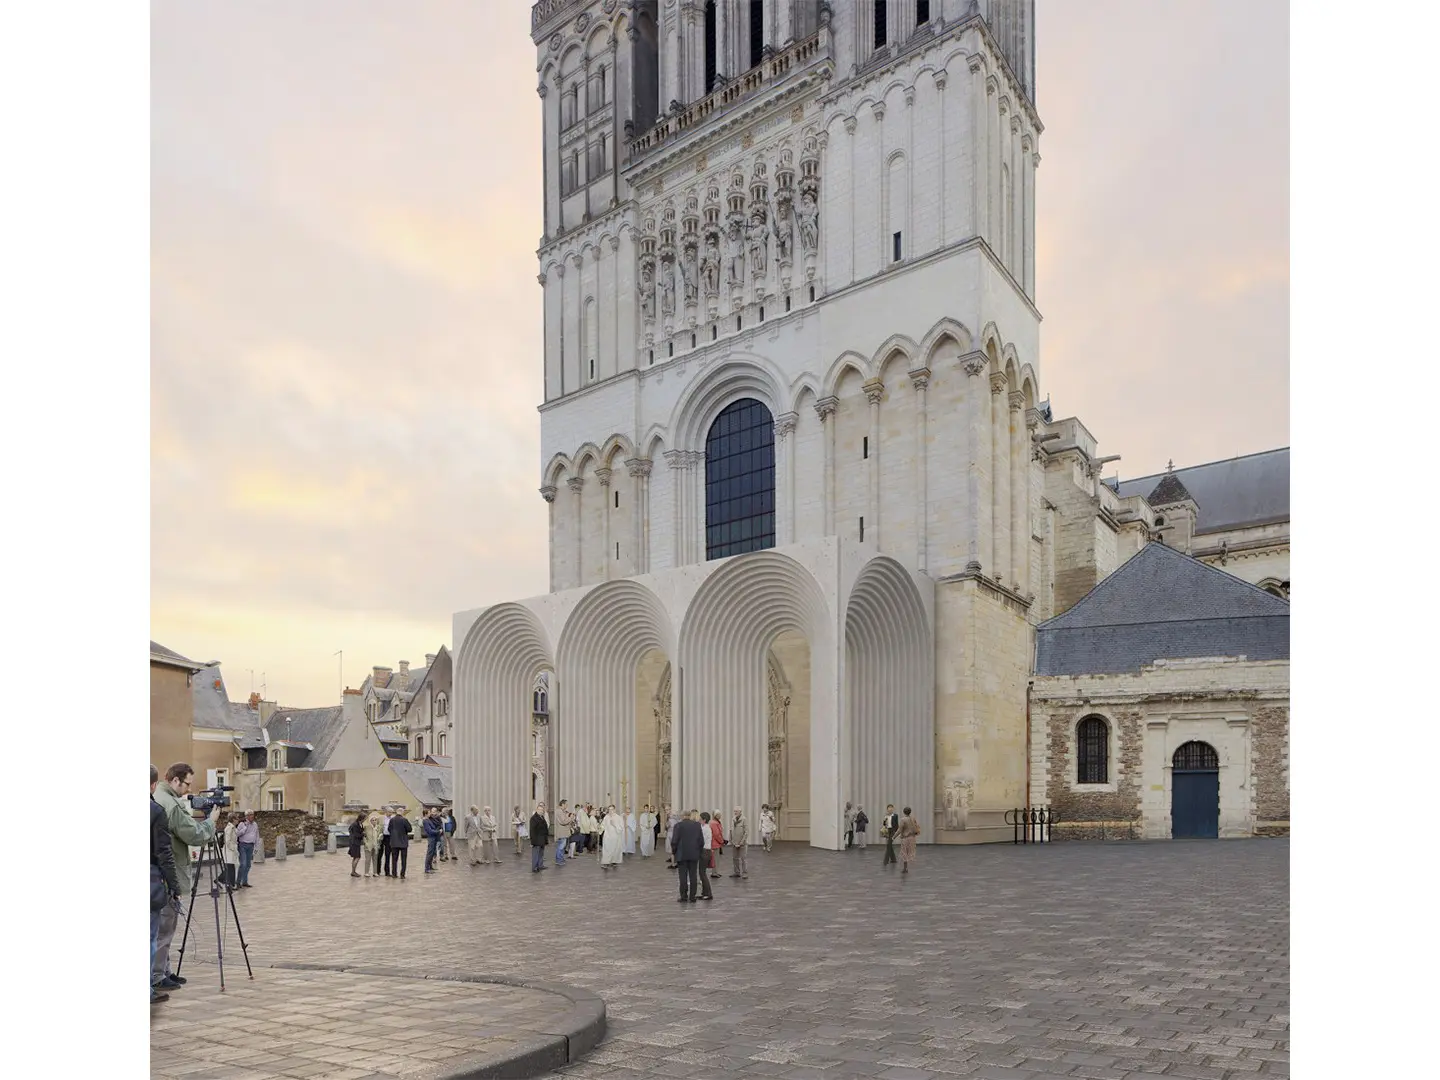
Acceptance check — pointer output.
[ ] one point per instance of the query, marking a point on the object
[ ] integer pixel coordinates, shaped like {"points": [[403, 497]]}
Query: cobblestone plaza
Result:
{"points": [[1113, 962]]}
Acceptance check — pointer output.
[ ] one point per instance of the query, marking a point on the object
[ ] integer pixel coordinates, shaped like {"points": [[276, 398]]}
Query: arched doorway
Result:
{"points": [[1195, 792]]}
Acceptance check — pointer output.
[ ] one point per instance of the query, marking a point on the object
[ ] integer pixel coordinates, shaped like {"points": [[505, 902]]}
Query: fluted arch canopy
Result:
{"points": [[889, 670], [495, 671], [731, 622], [604, 638]]}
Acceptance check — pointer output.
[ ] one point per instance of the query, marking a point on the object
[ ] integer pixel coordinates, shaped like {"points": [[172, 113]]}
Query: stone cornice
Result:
{"points": [[972, 572]]}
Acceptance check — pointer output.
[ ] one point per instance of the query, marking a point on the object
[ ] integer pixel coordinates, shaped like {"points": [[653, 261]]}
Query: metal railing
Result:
{"points": [[1032, 824]]}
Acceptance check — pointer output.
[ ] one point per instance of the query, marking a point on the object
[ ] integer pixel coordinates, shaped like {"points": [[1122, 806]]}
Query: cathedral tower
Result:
{"points": [[788, 266]]}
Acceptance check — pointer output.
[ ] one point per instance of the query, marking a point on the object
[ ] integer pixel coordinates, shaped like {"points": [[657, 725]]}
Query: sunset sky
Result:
{"points": [[346, 337]]}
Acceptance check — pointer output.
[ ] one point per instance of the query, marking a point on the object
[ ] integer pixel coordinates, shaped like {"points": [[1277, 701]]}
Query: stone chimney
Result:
{"points": [[380, 676], [254, 699], [429, 659]]}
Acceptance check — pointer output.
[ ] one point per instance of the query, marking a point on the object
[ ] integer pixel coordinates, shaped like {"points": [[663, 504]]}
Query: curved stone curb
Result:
{"points": [[556, 1043]]}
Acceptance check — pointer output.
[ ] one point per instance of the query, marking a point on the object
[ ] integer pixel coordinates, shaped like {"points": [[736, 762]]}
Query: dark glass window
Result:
{"points": [[757, 31], [740, 480], [709, 46], [880, 23], [1195, 756], [1094, 755], [922, 12]]}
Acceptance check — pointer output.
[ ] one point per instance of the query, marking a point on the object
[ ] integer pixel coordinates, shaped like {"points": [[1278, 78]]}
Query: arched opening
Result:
{"points": [[495, 675], [733, 700], [740, 480], [541, 766], [645, 66], [888, 662], [1195, 792], [711, 29]]}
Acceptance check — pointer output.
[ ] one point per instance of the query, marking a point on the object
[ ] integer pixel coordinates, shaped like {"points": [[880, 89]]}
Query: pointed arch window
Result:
{"points": [[1092, 751], [442, 704], [277, 759], [740, 480]]}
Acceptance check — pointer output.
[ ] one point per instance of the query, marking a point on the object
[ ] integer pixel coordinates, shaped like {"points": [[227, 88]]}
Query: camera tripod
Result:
{"points": [[216, 871]]}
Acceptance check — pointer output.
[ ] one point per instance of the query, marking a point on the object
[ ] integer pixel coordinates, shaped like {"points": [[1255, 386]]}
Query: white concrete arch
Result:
{"points": [[798, 388], [559, 467], [654, 443], [588, 453], [889, 669], [739, 377], [896, 345], [847, 359], [495, 668], [604, 638], [1030, 385], [720, 728], [617, 443]]}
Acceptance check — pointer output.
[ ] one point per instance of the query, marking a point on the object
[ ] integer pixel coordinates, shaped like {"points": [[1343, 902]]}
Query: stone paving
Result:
{"points": [[1106, 961]]}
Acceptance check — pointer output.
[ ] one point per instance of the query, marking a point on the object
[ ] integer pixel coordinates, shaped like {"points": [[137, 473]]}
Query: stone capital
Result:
{"points": [[974, 363], [975, 62], [639, 467], [825, 407], [1014, 125], [909, 95], [603, 475], [998, 382], [542, 90], [992, 85], [849, 125], [560, 269], [575, 484], [941, 78], [1033, 418], [874, 391], [1017, 400], [785, 424], [548, 493], [878, 110], [920, 379], [540, 277]]}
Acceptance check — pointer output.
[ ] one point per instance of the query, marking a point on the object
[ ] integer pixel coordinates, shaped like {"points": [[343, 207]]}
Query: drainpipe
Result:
{"points": [[1029, 686]]}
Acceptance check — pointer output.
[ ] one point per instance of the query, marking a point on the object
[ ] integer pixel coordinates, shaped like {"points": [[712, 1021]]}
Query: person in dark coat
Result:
{"points": [[400, 830], [689, 846], [357, 843], [164, 882], [539, 837], [434, 830]]}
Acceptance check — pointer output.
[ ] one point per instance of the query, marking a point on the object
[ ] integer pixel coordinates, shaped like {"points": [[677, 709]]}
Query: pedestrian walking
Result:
{"points": [[247, 835], [539, 837], [434, 831], [400, 830], [849, 826], [861, 824], [768, 828], [517, 824], [888, 828], [909, 830], [357, 846], [374, 829], [448, 854]]}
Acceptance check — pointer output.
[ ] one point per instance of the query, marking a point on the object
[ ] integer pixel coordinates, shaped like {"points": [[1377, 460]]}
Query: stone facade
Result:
{"points": [[1240, 708]]}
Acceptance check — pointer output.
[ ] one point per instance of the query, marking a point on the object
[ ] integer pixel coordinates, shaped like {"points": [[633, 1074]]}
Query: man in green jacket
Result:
{"points": [[187, 829]]}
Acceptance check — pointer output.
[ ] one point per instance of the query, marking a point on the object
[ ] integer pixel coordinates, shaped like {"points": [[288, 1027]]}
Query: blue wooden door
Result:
{"points": [[1195, 792]]}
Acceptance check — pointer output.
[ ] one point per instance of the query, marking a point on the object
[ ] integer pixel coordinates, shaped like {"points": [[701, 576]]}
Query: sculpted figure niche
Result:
{"points": [[808, 215], [667, 288], [784, 228], [757, 237], [647, 290], [687, 272], [735, 253], [710, 264], [661, 708]]}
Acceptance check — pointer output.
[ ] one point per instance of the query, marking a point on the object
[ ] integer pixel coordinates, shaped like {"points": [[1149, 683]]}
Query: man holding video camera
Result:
{"points": [[188, 828]]}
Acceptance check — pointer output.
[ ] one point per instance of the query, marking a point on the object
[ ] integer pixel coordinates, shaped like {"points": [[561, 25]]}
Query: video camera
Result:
{"points": [[203, 801]]}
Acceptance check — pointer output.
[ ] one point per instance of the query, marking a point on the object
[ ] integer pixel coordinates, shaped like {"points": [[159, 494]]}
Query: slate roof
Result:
{"points": [[1239, 491], [429, 784], [1169, 490], [321, 728], [170, 656], [1162, 604]]}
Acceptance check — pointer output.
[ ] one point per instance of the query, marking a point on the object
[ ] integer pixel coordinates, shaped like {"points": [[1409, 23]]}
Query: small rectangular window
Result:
{"points": [[652, 356], [671, 348], [865, 447], [787, 303], [277, 800], [715, 332], [880, 20], [617, 500], [762, 314], [896, 240], [693, 340], [862, 530], [592, 369], [922, 12], [812, 294], [738, 324], [617, 552]]}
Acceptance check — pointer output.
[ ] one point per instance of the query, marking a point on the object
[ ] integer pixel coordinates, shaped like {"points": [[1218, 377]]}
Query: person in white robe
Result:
{"points": [[630, 829], [612, 831], [647, 832]]}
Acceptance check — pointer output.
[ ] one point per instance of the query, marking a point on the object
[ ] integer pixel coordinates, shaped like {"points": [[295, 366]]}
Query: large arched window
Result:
{"points": [[1092, 751], [740, 480]]}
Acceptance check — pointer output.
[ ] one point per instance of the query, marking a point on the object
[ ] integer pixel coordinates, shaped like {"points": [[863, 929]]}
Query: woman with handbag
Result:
{"points": [[357, 845]]}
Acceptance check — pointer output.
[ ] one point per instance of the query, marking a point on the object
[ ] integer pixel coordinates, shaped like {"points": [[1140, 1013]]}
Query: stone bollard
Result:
{"points": [[330, 843], [309, 847], [259, 852], [280, 848]]}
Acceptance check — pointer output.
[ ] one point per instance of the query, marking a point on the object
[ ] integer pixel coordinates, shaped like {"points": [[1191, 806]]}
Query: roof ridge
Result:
{"points": [[1198, 465]]}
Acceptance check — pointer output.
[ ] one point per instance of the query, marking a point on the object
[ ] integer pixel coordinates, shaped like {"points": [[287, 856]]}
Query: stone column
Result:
{"points": [[942, 149], [676, 460], [1017, 201], [548, 494], [577, 485], [550, 125], [578, 298], [874, 392], [978, 441], [560, 322], [1000, 477], [1031, 162], [723, 65], [785, 478], [920, 380], [695, 482], [825, 409], [784, 23], [852, 272], [603, 475], [639, 470], [1019, 496]]}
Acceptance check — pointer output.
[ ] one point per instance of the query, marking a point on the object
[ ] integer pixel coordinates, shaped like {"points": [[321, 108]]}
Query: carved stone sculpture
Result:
{"points": [[647, 291], [667, 288], [687, 272], [784, 229], [710, 265], [757, 238], [808, 216], [735, 254]]}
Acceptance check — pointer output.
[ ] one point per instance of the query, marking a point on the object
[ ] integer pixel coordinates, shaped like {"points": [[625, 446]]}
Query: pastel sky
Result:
{"points": [[346, 324]]}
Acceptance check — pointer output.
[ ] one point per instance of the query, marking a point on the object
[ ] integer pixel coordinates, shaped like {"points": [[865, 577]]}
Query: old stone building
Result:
{"points": [[1161, 705], [808, 499]]}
